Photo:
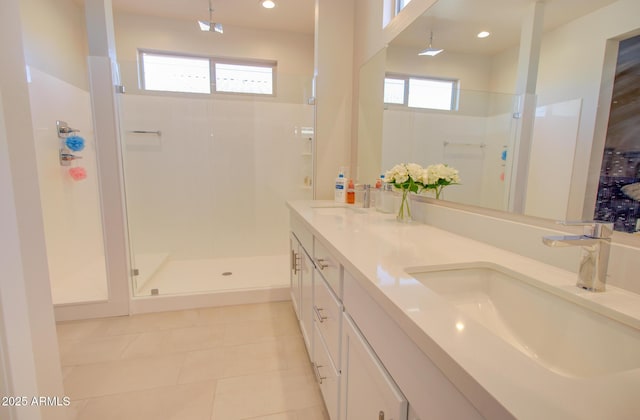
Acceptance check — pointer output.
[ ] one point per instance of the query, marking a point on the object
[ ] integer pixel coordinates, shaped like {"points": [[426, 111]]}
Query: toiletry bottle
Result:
{"points": [[351, 192], [340, 195], [375, 193]]}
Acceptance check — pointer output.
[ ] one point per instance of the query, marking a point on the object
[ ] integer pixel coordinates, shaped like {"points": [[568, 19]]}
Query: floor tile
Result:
{"points": [[179, 402], [102, 379], [96, 350], [256, 331], [225, 363], [264, 394], [175, 341], [152, 322], [81, 330], [204, 365]]}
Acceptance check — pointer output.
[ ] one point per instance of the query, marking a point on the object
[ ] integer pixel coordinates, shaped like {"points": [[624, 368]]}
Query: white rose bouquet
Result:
{"points": [[411, 177], [436, 177]]}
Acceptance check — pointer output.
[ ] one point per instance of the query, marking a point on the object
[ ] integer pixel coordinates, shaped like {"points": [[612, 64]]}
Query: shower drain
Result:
{"points": [[227, 273]]}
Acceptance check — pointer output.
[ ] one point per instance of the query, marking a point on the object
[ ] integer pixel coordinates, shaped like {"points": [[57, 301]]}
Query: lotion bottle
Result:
{"points": [[340, 194]]}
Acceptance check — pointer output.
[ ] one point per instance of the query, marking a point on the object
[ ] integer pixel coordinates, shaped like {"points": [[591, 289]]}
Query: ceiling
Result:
{"points": [[288, 15], [455, 23]]}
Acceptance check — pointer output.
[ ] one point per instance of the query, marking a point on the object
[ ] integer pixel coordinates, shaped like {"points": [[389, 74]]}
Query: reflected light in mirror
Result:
{"points": [[268, 4], [459, 326]]}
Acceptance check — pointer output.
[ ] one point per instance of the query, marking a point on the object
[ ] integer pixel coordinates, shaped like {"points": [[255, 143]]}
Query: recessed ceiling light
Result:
{"points": [[268, 4], [483, 34]]}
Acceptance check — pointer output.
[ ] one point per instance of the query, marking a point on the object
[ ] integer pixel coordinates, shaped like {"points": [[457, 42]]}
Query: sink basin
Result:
{"points": [[558, 332]]}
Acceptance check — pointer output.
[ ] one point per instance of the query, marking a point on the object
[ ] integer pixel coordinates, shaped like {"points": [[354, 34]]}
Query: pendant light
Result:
{"points": [[431, 52], [210, 25]]}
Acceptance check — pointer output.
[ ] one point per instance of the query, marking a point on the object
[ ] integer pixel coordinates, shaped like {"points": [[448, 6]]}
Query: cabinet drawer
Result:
{"points": [[367, 389], [301, 232], [327, 313], [328, 266], [326, 375]]}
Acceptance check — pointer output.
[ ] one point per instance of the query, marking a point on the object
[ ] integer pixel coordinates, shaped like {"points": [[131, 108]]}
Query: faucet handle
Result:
{"points": [[592, 228]]}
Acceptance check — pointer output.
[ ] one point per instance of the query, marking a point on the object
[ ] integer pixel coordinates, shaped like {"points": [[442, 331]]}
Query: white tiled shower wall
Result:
{"points": [[71, 209], [215, 182]]}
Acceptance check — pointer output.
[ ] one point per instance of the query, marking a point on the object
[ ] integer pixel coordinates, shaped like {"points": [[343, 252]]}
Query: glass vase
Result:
{"points": [[404, 212]]}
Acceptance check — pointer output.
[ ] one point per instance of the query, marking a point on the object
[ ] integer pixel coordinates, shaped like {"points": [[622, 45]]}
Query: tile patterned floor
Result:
{"points": [[224, 363]]}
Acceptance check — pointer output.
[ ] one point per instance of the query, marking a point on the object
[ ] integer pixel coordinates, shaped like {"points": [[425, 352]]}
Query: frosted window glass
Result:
{"points": [[176, 74], [394, 91], [431, 94], [244, 79]]}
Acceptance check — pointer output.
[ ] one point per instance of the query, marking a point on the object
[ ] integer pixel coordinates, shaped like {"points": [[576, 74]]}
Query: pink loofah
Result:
{"points": [[78, 173]]}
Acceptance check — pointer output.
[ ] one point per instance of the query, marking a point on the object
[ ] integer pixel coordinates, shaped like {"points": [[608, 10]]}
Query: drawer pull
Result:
{"points": [[317, 369], [319, 315], [322, 263], [381, 415], [294, 266], [294, 262]]}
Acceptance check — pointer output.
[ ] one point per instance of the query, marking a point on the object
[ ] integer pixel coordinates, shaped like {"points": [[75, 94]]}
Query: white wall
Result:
{"points": [[28, 328], [56, 52], [334, 75], [71, 209], [55, 39], [473, 70]]}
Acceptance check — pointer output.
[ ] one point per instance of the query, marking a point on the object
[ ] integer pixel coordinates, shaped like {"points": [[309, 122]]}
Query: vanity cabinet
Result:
{"points": [[301, 275], [368, 391]]}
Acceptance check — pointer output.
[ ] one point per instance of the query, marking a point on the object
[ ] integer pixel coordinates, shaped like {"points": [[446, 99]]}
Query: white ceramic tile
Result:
{"points": [[268, 393], [175, 341], [109, 378], [258, 331], [94, 351], [180, 402], [151, 322]]}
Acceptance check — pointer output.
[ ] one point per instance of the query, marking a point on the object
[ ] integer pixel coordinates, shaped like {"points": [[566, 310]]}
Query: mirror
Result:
{"points": [[480, 136]]}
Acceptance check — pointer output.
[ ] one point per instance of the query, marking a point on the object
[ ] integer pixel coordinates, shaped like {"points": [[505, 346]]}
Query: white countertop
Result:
{"points": [[376, 249]]}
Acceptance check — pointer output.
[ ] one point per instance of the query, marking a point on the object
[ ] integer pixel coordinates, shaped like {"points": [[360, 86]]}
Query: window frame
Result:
{"points": [[213, 60], [455, 91]]}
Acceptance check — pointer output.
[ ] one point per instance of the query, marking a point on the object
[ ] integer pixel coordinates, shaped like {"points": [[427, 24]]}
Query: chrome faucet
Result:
{"points": [[595, 243]]}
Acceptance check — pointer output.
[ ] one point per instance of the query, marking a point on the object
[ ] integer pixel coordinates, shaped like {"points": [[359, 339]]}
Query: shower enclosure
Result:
{"points": [[206, 181]]}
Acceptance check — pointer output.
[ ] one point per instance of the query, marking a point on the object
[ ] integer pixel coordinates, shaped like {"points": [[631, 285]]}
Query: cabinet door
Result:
{"points": [[367, 390], [306, 300], [294, 273]]}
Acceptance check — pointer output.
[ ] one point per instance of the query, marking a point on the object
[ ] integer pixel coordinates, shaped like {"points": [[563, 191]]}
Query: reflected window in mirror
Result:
{"points": [[421, 92], [400, 4], [618, 197]]}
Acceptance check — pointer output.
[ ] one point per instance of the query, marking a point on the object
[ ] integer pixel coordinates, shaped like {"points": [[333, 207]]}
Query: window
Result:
{"points": [[394, 91], [421, 92], [400, 4], [173, 73], [244, 79], [191, 74]]}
